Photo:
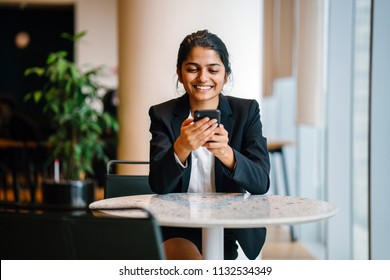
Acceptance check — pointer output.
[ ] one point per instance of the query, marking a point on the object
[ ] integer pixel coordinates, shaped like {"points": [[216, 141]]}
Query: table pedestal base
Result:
{"points": [[212, 243]]}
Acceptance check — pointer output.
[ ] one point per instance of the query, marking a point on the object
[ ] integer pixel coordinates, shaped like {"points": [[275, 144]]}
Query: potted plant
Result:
{"points": [[69, 95]]}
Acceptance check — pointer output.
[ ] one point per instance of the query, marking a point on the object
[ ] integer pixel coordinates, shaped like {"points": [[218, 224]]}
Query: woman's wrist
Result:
{"points": [[228, 159], [180, 152]]}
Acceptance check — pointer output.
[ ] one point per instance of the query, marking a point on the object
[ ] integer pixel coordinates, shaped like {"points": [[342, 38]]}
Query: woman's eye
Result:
{"points": [[192, 70], [213, 71]]}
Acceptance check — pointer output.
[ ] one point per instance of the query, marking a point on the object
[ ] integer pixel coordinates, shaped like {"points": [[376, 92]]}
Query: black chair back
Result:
{"points": [[113, 238], [31, 236], [123, 185], [59, 236]]}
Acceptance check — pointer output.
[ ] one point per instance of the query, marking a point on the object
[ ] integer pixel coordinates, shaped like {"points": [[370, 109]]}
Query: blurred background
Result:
{"points": [[319, 69]]}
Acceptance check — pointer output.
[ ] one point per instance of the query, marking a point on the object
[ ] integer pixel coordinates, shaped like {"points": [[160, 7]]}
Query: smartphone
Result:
{"points": [[212, 114]]}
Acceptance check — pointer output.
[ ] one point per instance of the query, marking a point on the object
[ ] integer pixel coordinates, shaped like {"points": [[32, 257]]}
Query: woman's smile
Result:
{"points": [[203, 87]]}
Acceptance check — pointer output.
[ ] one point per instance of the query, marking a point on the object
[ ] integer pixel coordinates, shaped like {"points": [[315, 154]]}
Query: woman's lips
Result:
{"points": [[203, 87]]}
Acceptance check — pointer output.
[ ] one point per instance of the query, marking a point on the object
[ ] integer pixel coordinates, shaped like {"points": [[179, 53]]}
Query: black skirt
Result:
{"points": [[195, 236]]}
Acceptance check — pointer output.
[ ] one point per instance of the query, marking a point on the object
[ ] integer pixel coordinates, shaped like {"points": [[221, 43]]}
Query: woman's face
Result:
{"points": [[203, 76]]}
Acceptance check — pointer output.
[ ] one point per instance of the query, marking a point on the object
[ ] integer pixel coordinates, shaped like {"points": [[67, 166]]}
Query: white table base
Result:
{"points": [[212, 243]]}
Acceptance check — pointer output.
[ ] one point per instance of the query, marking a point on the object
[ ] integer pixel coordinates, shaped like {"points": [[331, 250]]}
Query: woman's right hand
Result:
{"points": [[193, 135]]}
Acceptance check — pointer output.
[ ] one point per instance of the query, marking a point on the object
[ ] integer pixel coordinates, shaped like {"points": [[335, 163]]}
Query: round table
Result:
{"points": [[215, 211]]}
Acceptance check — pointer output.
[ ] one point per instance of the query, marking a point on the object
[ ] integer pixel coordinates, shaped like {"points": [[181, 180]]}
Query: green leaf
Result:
{"points": [[51, 58], [67, 36], [74, 38], [96, 127], [62, 54], [74, 72], [37, 95], [61, 68], [79, 35], [34, 70]]}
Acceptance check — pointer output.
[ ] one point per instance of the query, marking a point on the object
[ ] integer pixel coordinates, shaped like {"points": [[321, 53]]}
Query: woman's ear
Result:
{"points": [[226, 78], [179, 75]]}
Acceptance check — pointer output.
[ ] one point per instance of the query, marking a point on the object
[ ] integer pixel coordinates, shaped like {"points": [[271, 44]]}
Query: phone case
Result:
{"points": [[212, 114]]}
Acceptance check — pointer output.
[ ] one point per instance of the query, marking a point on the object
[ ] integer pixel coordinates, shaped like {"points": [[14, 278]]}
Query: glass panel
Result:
{"points": [[360, 117]]}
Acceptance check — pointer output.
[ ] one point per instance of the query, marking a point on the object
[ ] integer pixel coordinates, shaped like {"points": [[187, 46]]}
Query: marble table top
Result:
{"points": [[230, 210]]}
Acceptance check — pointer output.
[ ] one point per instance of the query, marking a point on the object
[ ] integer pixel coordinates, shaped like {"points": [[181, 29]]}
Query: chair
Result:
{"points": [[123, 185], [30, 236], [66, 236], [114, 238]]}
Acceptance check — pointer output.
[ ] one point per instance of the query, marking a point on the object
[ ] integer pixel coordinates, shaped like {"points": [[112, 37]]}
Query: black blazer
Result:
{"points": [[241, 118]]}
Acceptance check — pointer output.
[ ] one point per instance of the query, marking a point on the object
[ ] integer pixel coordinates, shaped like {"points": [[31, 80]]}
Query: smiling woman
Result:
{"points": [[204, 156]]}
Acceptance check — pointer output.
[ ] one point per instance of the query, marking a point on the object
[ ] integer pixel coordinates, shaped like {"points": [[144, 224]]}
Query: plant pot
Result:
{"points": [[68, 194]]}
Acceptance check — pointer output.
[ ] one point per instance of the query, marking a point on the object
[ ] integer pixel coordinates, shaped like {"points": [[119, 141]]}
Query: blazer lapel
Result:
{"points": [[226, 113], [228, 121]]}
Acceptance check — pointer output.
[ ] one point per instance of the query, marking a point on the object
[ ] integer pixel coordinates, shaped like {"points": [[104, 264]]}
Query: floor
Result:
{"points": [[277, 246]]}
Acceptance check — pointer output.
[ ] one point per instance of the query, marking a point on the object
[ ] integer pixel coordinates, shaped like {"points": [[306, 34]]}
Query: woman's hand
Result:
{"points": [[193, 135], [219, 146]]}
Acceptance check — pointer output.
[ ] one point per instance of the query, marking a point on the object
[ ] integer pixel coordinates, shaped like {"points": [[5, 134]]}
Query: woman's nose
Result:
{"points": [[203, 76]]}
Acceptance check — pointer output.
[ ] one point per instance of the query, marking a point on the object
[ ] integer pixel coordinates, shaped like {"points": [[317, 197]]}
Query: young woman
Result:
{"points": [[202, 156]]}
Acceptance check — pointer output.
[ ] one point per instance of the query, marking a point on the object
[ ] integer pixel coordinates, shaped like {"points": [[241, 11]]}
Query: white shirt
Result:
{"points": [[202, 171], [202, 177]]}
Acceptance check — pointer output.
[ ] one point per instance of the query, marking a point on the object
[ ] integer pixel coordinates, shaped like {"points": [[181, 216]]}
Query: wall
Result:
{"points": [[100, 45]]}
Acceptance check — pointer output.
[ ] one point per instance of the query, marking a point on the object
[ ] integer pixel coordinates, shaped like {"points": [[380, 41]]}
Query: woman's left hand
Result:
{"points": [[219, 146]]}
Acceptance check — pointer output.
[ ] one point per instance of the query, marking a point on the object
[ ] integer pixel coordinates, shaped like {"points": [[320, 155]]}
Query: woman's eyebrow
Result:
{"points": [[196, 64]]}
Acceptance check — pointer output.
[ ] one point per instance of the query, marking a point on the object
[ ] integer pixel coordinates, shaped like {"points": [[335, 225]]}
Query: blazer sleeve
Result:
{"points": [[165, 173], [251, 152]]}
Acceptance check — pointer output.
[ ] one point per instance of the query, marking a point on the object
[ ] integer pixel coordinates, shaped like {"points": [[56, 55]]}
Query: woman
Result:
{"points": [[202, 156]]}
